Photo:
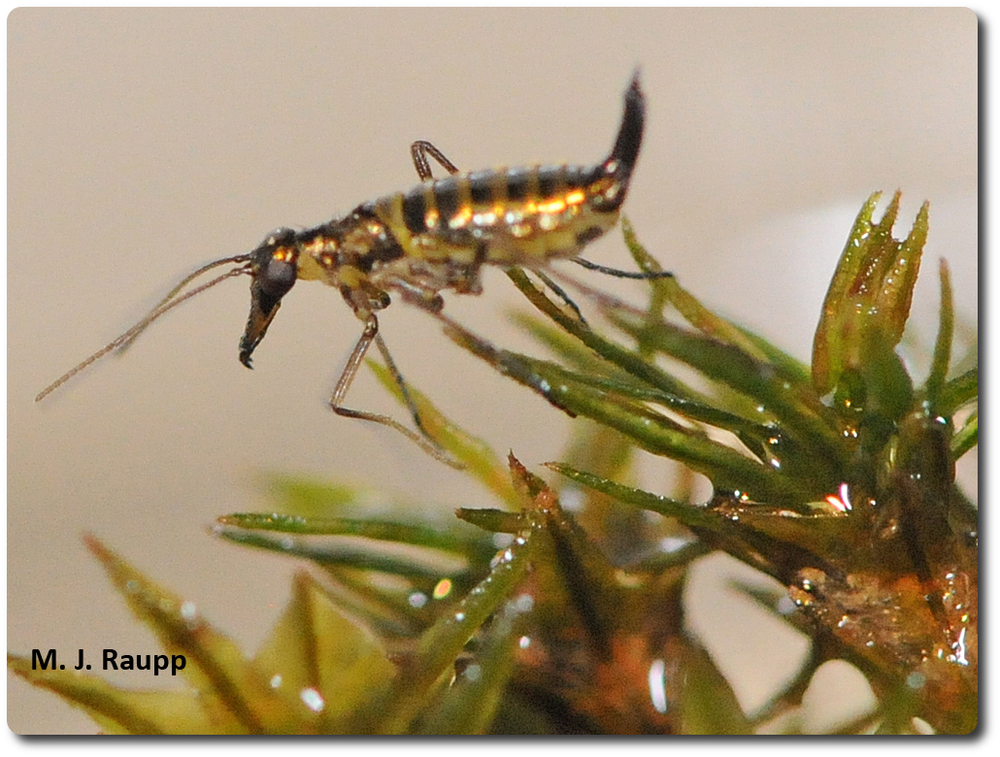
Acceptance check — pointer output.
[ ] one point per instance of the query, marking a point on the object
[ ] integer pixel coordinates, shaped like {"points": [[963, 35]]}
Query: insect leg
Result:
{"points": [[561, 294], [369, 335], [420, 150], [645, 275]]}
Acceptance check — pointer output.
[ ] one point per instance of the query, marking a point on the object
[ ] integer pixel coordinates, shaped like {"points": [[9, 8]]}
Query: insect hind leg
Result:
{"points": [[419, 150], [423, 439], [618, 273], [562, 295]]}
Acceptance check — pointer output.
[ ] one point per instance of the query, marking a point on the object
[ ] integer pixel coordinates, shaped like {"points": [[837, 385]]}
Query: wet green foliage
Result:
{"points": [[835, 479]]}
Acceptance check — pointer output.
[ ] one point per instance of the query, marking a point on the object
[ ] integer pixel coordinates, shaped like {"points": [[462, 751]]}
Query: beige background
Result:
{"points": [[142, 143]]}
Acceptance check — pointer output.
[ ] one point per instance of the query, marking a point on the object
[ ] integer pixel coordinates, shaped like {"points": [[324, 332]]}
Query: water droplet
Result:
{"points": [[473, 672], [658, 685], [572, 499], [312, 699], [671, 544], [459, 616], [959, 648], [785, 605], [916, 680], [417, 599], [275, 681], [502, 540], [287, 543], [524, 603], [524, 642], [190, 614]]}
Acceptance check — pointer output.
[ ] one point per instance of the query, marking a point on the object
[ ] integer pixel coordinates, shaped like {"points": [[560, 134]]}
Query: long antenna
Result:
{"points": [[168, 303]]}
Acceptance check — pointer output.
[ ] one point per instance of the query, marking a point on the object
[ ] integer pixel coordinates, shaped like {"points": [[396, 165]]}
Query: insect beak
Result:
{"points": [[273, 268], [263, 307]]}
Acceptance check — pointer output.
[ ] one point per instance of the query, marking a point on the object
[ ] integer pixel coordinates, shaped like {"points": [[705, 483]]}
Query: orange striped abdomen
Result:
{"points": [[518, 216]]}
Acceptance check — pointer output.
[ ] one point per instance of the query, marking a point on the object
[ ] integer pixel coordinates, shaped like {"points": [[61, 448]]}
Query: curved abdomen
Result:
{"points": [[518, 216]]}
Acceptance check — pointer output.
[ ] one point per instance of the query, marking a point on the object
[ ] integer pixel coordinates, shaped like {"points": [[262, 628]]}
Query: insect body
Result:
{"points": [[433, 238], [438, 235]]}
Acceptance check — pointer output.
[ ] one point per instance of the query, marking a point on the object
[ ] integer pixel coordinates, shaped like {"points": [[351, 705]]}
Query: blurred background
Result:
{"points": [[142, 143]]}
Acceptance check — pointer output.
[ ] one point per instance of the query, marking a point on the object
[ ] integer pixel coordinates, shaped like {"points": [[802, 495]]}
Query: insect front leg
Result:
{"points": [[420, 150], [369, 335]]}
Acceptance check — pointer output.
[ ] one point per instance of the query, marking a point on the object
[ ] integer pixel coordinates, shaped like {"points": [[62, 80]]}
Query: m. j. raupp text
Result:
{"points": [[112, 660]]}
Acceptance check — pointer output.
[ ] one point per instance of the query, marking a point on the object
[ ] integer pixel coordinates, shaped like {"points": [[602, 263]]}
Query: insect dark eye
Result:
{"points": [[277, 276]]}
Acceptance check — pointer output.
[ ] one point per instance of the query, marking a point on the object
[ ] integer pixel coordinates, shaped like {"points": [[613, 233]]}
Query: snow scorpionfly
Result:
{"points": [[416, 244]]}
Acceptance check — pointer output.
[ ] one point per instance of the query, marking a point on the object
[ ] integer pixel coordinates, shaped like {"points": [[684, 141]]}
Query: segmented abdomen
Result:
{"points": [[516, 216]]}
